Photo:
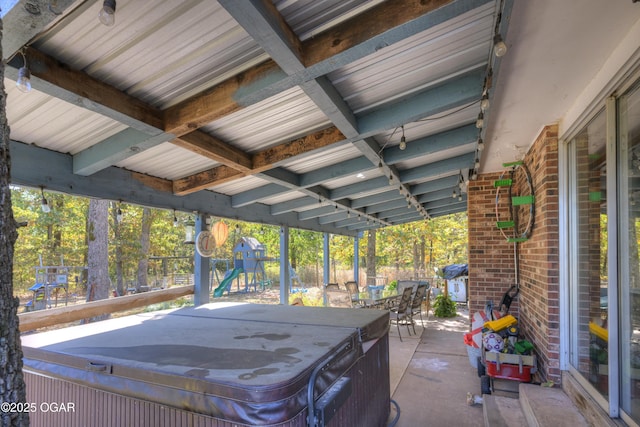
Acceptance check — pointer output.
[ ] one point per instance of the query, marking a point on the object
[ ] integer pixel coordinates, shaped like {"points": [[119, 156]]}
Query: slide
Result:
{"points": [[228, 277]]}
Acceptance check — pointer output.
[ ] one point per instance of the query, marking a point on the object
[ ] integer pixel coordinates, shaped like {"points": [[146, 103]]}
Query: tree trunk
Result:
{"points": [[12, 386], [371, 257], [117, 237], [98, 251], [145, 243]]}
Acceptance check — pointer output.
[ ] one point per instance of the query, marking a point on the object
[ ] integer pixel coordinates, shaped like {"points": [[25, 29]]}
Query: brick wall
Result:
{"points": [[492, 261]]}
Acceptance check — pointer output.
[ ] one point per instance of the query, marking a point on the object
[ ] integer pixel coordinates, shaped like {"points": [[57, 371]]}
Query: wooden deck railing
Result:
{"points": [[55, 316]]}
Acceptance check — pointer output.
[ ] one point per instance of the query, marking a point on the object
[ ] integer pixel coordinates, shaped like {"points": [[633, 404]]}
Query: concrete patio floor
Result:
{"points": [[431, 374]]}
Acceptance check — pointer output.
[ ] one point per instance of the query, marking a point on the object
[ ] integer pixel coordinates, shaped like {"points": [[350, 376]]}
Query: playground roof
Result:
{"points": [[281, 112]]}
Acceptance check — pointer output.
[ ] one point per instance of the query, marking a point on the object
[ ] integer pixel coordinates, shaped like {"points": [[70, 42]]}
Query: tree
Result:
{"points": [[12, 386], [145, 243], [98, 250], [115, 218]]}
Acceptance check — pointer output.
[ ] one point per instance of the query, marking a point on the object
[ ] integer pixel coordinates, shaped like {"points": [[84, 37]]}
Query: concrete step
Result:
{"points": [[501, 411], [549, 407], [536, 407]]}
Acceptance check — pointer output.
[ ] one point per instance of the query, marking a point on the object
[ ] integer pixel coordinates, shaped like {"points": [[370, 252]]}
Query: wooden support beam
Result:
{"points": [[212, 148], [216, 102], [261, 162], [200, 181], [72, 313], [78, 88], [369, 24], [227, 97]]}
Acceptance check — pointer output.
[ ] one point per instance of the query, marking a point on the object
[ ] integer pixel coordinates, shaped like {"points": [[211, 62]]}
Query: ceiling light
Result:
{"points": [[477, 164], [119, 215], [474, 175], [44, 204], [480, 144], [454, 194], [403, 140], [107, 14], [480, 121], [24, 76], [175, 219], [499, 47], [484, 102], [460, 197]]}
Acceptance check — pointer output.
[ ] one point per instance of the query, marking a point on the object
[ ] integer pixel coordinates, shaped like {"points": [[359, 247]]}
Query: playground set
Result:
{"points": [[249, 256], [50, 282]]}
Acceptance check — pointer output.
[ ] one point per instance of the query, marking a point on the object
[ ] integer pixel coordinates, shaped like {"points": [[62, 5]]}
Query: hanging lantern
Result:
{"points": [[220, 231], [189, 231]]}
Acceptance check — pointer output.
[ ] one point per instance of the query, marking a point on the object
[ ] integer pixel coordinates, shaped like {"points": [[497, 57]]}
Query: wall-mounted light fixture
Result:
{"points": [[24, 76], [107, 14], [44, 204]]}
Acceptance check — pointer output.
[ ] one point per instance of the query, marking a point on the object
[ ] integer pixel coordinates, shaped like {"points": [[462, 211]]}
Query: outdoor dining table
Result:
{"points": [[383, 300]]}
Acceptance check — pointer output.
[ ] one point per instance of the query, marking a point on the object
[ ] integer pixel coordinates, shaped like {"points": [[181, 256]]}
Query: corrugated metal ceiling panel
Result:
{"points": [[326, 157], [281, 118], [284, 197], [145, 57], [309, 17], [418, 62], [36, 118], [240, 185], [167, 161]]}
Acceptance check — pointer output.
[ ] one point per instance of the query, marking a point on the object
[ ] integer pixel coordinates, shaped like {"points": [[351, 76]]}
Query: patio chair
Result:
{"points": [[402, 313], [413, 284], [422, 292], [339, 298], [354, 291], [332, 287]]}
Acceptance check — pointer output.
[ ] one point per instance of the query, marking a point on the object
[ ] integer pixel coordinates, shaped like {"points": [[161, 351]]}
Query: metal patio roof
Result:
{"points": [[280, 112]]}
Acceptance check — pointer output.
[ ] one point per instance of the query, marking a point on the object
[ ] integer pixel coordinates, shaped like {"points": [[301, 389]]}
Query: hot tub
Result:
{"points": [[215, 365]]}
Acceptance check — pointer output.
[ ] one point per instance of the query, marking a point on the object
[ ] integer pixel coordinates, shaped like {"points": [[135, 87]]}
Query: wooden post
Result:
{"points": [[56, 316]]}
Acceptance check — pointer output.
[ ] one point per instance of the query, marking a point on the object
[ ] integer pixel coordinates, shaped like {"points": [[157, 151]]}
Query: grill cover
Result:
{"points": [[248, 364]]}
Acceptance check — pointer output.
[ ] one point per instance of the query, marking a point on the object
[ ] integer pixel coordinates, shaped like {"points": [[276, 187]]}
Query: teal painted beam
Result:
{"points": [[256, 195], [441, 167], [338, 170], [375, 199], [291, 205], [114, 149], [22, 20], [351, 190], [437, 184], [443, 194], [450, 94], [383, 207], [37, 167], [432, 144]]}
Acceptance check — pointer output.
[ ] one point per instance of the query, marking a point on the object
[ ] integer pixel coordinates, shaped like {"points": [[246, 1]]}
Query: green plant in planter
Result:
{"points": [[444, 306], [392, 286]]}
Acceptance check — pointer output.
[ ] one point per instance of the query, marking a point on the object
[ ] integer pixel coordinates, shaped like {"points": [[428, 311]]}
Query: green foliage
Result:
{"points": [[443, 306], [393, 285], [410, 249]]}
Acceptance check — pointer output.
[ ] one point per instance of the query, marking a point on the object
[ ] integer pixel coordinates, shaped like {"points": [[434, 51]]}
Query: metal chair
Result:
{"points": [[402, 313], [339, 298], [422, 292], [354, 291]]}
